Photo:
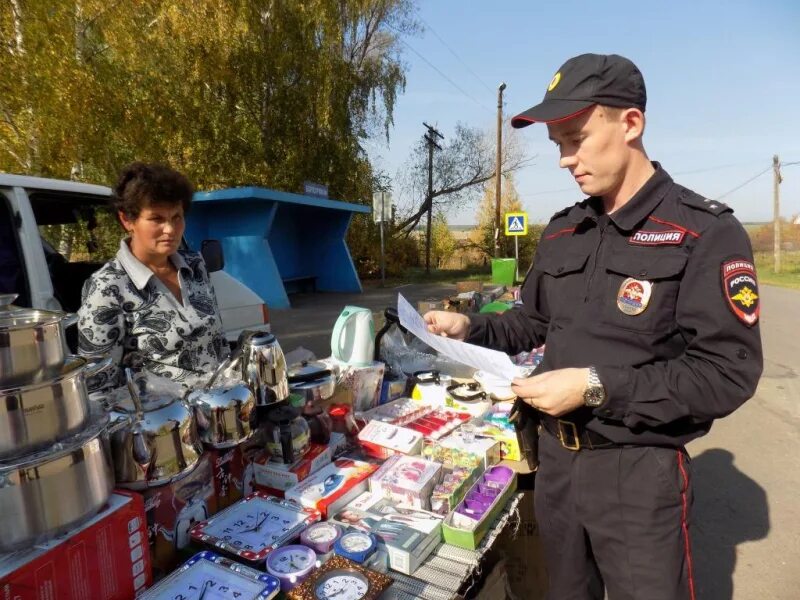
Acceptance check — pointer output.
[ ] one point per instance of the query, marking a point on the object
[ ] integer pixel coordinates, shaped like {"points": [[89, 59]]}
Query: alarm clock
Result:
{"points": [[321, 536], [291, 564], [341, 579], [212, 577], [251, 528], [356, 545]]}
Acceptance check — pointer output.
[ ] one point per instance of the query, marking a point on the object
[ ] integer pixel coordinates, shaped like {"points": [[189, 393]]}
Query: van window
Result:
{"points": [[12, 273], [79, 235]]}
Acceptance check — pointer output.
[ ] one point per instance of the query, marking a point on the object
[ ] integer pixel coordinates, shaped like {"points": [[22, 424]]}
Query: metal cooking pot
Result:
{"points": [[224, 414], [52, 491], [313, 381], [30, 341], [41, 413], [153, 439]]}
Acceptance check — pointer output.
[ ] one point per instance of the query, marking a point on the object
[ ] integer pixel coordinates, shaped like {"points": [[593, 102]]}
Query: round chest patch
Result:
{"points": [[634, 296]]}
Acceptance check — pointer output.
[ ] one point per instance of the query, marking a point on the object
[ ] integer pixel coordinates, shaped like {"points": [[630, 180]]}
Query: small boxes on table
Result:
{"points": [[277, 477], [382, 440], [333, 486], [408, 480]]}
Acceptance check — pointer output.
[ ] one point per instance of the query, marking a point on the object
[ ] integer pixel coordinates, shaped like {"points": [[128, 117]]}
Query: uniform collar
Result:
{"points": [[139, 273], [635, 210]]}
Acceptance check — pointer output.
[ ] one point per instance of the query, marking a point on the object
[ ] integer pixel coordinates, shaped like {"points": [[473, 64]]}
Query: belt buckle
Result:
{"points": [[568, 426]]}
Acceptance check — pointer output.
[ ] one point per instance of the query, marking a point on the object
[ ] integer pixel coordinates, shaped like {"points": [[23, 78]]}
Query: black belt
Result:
{"points": [[574, 436]]}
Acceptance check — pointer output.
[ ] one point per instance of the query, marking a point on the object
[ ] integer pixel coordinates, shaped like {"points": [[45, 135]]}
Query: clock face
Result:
{"points": [[291, 560], [322, 533], [209, 581], [341, 584], [356, 542], [254, 525]]}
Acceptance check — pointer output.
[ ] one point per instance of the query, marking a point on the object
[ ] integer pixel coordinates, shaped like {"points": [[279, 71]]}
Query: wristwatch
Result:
{"points": [[595, 394]]}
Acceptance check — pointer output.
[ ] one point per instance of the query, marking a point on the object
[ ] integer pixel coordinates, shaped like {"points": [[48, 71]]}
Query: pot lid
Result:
{"points": [[307, 371], [17, 317]]}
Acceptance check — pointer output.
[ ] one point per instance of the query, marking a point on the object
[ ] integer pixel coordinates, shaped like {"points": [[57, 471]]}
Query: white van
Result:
{"points": [[38, 214]]}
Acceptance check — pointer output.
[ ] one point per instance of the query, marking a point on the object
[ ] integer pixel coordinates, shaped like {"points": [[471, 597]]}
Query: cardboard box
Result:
{"points": [[233, 473], [107, 558], [382, 440], [277, 477], [408, 480], [469, 286], [408, 535], [454, 451], [173, 509], [333, 486]]}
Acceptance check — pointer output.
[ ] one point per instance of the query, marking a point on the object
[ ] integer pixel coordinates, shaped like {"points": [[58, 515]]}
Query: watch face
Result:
{"points": [[291, 560], [210, 581], [341, 584], [253, 525], [356, 542], [322, 533]]}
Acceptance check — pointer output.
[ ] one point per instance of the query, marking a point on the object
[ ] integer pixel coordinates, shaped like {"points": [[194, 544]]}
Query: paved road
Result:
{"points": [[746, 527]]}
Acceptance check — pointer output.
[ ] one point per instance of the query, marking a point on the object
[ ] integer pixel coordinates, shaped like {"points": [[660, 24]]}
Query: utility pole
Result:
{"points": [[498, 170], [430, 138], [776, 206]]}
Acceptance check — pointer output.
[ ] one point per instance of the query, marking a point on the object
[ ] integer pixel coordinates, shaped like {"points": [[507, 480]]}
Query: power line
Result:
{"points": [[789, 164], [453, 83], [458, 58], [741, 185]]}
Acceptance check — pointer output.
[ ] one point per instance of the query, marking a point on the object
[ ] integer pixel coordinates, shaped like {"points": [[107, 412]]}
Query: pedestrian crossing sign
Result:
{"points": [[517, 223]]}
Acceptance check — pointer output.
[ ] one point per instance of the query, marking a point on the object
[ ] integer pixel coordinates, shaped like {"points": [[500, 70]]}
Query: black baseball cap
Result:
{"points": [[582, 82]]}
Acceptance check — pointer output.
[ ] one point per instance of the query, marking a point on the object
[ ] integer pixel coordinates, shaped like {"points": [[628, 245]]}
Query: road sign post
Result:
{"points": [[516, 225], [381, 212]]}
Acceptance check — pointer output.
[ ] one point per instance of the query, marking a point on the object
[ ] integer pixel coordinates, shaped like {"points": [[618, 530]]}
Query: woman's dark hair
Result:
{"points": [[141, 185]]}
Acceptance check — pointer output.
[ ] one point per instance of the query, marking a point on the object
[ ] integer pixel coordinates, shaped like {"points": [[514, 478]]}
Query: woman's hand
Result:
{"points": [[447, 324]]}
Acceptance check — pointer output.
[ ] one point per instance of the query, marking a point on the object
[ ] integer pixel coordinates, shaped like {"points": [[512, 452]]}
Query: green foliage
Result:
{"points": [[443, 242], [483, 236], [232, 92], [364, 241]]}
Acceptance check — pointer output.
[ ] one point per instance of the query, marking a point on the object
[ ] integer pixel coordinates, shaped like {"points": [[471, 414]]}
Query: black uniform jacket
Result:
{"points": [[660, 296]]}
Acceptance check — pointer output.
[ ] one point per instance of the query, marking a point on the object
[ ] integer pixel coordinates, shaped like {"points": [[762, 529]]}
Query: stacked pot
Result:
{"points": [[55, 460]]}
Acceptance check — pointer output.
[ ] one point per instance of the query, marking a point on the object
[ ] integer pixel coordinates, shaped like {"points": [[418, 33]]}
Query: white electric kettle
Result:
{"points": [[353, 338]]}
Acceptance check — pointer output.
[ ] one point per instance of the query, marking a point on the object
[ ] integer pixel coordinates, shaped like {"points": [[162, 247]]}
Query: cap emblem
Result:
{"points": [[554, 82]]}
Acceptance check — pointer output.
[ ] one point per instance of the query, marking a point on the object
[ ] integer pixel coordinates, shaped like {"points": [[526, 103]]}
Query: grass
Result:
{"points": [[789, 276]]}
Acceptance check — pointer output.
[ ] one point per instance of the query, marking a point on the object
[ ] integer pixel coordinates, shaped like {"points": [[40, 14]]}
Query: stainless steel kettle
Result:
{"points": [[153, 439], [263, 367]]}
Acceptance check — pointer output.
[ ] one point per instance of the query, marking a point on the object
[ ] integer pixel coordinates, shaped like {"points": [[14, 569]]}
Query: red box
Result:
{"points": [[173, 509], [275, 478], [333, 486], [105, 559], [234, 477]]}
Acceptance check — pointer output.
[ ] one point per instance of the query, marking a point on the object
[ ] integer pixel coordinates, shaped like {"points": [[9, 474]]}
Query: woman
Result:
{"points": [[152, 306]]}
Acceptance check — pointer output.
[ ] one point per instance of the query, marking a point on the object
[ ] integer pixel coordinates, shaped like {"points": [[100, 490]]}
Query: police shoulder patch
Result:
{"points": [[740, 288]]}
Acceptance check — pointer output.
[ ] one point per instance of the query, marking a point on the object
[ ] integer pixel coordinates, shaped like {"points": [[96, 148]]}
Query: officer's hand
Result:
{"points": [[555, 392], [447, 324]]}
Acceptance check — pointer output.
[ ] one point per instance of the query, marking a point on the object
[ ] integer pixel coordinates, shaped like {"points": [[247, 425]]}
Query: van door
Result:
{"points": [[13, 278]]}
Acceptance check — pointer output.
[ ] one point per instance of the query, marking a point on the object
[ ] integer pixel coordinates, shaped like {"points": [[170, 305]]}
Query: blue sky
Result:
{"points": [[723, 83]]}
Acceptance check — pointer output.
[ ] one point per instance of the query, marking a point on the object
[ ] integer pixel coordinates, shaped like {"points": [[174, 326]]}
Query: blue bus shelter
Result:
{"points": [[277, 242]]}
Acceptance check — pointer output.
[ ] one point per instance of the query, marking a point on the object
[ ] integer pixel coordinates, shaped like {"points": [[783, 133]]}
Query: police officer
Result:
{"points": [[645, 293]]}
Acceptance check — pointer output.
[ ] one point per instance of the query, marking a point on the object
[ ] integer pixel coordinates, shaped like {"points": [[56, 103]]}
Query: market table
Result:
{"points": [[451, 572]]}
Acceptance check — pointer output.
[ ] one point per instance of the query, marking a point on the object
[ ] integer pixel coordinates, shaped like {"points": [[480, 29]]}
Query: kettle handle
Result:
{"points": [[287, 448], [337, 342]]}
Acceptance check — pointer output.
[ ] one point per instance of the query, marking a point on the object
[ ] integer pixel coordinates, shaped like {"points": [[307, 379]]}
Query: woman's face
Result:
{"points": [[157, 231]]}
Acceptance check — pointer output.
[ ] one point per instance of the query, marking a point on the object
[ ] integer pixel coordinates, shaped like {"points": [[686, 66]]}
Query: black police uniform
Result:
{"points": [[661, 297]]}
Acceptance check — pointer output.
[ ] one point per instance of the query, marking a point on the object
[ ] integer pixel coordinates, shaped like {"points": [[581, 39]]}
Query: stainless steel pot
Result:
{"points": [[314, 381], [31, 341], [52, 491], [225, 415], [153, 439], [48, 409]]}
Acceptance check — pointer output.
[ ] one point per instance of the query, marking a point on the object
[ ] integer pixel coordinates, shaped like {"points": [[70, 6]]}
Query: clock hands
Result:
{"points": [[258, 525], [204, 590]]}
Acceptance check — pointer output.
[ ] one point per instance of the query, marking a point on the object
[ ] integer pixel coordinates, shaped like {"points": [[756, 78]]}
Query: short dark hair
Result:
{"points": [[141, 185]]}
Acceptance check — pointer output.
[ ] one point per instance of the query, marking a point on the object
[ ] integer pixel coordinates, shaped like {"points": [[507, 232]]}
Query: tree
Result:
{"points": [[483, 236], [466, 160], [443, 242]]}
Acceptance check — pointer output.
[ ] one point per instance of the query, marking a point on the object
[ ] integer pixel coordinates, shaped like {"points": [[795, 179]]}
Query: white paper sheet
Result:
{"points": [[489, 361]]}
